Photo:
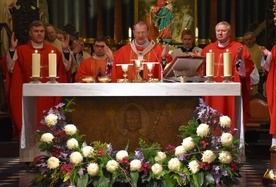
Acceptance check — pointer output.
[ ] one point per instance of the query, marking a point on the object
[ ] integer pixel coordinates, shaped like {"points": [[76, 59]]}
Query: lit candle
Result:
{"points": [[129, 33], [196, 32], [210, 64], [227, 63], [36, 64], [52, 63]]}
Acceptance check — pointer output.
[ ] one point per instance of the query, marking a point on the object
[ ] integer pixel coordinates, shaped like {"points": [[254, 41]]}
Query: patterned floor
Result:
{"points": [[14, 174]]}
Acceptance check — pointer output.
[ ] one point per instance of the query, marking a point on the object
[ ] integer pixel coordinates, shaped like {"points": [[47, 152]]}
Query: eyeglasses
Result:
{"points": [[99, 46]]}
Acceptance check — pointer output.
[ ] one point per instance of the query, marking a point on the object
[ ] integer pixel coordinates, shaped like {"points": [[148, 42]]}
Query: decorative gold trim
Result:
{"points": [[88, 40], [239, 39], [204, 41]]}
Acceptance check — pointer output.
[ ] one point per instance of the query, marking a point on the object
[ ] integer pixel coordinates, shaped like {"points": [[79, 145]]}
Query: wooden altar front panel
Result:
{"points": [[124, 120], [163, 108]]}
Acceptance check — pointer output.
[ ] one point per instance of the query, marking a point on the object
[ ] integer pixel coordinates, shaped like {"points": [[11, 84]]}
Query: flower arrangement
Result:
{"points": [[208, 156]]}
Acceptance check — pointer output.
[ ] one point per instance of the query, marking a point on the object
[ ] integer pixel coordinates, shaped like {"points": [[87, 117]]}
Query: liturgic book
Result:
{"points": [[184, 65]]}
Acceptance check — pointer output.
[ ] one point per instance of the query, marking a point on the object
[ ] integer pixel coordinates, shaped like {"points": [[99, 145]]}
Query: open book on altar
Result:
{"points": [[184, 65]]}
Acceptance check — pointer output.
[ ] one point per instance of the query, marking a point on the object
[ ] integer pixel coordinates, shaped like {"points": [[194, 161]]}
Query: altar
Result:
{"points": [[105, 111]]}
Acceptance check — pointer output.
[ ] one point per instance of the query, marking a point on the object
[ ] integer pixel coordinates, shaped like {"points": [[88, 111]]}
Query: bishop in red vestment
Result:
{"points": [[140, 49], [242, 66]]}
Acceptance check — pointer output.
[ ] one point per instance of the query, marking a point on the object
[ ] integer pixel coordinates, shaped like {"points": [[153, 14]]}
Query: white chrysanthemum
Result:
{"points": [[194, 166], [188, 143], [225, 157], [203, 130], [72, 143], [208, 156], [135, 165], [179, 150], [160, 157], [76, 158], [93, 169], [87, 151], [120, 155], [156, 169], [174, 165], [112, 165], [52, 162], [70, 129], [225, 122], [51, 119], [227, 139], [47, 138]]}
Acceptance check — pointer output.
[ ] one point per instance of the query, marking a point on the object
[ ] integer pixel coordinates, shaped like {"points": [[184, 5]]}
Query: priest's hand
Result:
{"points": [[264, 51], [165, 51], [108, 53], [65, 43], [239, 53], [14, 42]]}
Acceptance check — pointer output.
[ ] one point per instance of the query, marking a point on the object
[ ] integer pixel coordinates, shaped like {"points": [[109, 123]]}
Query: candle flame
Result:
{"points": [[227, 50], [52, 51], [36, 51], [210, 51]]}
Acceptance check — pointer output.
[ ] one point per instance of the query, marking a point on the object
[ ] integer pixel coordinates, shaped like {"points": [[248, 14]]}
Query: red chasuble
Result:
{"points": [[226, 104], [91, 67], [271, 92], [22, 73], [127, 55]]}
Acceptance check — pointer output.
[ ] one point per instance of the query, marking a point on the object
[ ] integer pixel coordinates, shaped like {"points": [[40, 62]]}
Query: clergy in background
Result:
{"points": [[241, 65]]}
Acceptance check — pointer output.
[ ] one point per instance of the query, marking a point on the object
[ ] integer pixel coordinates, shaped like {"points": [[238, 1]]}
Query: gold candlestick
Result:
{"points": [[209, 79], [227, 79]]}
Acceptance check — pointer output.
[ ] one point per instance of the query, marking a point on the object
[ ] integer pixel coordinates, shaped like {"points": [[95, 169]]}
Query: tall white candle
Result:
{"points": [[227, 63], [196, 32], [52, 63], [210, 63], [36, 64], [129, 32]]}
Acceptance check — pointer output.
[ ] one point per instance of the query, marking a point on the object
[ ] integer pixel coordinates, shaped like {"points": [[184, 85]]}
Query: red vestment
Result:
{"points": [[91, 67], [271, 91], [226, 104], [22, 73], [126, 55]]}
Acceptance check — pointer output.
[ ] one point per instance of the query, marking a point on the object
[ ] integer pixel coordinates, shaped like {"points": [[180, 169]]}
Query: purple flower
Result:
{"points": [[139, 155]]}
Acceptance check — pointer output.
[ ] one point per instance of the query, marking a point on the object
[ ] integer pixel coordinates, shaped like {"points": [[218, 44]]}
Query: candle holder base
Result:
{"points": [[209, 79], [35, 80], [52, 80], [227, 79]]}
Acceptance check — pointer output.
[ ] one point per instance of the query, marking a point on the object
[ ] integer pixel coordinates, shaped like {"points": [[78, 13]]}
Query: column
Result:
{"points": [[91, 18], [203, 25], [108, 18], [241, 18], [224, 10], [128, 16]]}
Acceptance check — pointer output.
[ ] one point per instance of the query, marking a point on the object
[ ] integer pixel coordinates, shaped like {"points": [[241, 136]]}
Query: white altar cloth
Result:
{"points": [[30, 91]]}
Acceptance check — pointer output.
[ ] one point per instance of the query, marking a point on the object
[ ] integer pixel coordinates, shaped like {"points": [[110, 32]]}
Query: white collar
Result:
{"points": [[223, 44], [37, 45]]}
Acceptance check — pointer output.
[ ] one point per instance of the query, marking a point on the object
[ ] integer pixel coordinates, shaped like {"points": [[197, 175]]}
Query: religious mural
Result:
{"points": [[167, 18]]}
